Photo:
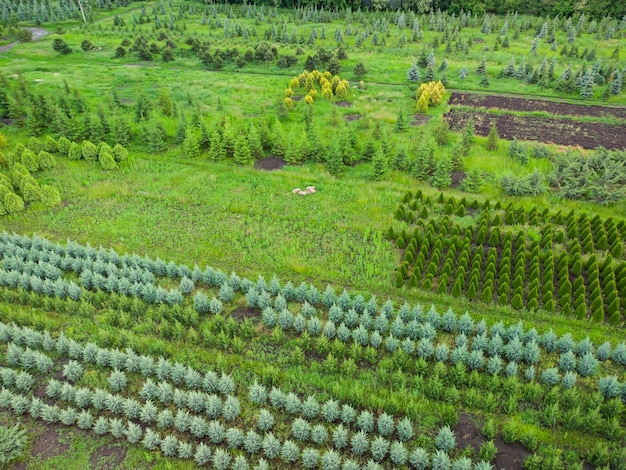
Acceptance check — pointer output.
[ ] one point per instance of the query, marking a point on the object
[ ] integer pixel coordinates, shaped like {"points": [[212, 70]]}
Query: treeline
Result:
{"points": [[562, 8]]}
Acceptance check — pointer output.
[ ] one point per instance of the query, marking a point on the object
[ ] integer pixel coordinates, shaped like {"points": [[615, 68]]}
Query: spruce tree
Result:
{"points": [[441, 178], [334, 160], [586, 84], [413, 74], [380, 165], [401, 124], [616, 84], [216, 147], [242, 154], [191, 146], [492, 137]]}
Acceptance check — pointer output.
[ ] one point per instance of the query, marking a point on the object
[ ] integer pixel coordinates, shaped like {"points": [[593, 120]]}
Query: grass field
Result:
{"points": [[192, 211]]}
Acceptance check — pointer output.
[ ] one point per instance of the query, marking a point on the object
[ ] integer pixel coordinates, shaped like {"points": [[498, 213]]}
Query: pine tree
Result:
{"points": [[473, 182], [334, 160], [216, 148], [413, 74], [481, 69], [401, 124], [380, 168], [254, 142], [492, 137], [616, 84], [360, 70], [422, 104], [441, 178], [586, 84], [191, 146]]}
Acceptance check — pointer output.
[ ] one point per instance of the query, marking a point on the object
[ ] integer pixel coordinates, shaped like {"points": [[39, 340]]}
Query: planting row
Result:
{"points": [[440, 255], [347, 318], [124, 416], [172, 375]]}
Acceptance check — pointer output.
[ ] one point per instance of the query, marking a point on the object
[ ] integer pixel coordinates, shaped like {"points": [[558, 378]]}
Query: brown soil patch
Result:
{"points": [[457, 178], [352, 117], [467, 434], [107, 457], [242, 313], [553, 130], [510, 456], [478, 41], [40, 392], [343, 104], [511, 103], [271, 163], [47, 445], [420, 119]]}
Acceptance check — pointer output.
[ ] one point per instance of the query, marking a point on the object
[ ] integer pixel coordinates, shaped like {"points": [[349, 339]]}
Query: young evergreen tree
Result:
{"points": [[334, 160], [413, 74], [493, 137], [254, 142], [217, 151], [401, 124], [441, 177], [191, 146], [380, 165], [586, 84]]}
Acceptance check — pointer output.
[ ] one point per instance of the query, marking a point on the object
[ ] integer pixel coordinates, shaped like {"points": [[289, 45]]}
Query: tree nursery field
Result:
{"points": [[312, 235]]}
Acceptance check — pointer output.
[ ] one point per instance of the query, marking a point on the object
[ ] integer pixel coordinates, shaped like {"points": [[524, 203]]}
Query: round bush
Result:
{"points": [[89, 151], [107, 162], [13, 203], [50, 196]]}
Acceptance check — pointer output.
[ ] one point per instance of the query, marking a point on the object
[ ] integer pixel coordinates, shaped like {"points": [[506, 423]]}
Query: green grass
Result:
{"points": [[248, 221]]}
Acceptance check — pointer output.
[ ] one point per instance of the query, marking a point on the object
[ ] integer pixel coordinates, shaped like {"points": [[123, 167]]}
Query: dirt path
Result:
{"points": [[37, 33]]}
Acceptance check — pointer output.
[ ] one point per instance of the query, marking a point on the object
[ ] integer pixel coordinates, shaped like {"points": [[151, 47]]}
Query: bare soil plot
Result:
{"points": [[561, 131], [511, 103]]}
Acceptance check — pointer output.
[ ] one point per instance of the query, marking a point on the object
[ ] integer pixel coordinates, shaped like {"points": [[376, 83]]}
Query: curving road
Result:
{"points": [[37, 33]]}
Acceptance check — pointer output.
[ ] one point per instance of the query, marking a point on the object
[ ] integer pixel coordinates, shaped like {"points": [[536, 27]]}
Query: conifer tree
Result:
{"points": [[492, 137], [334, 160], [191, 146], [441, 178], [413, 74], [242, 154], [254, 142], [380, 168], [216, 147]]}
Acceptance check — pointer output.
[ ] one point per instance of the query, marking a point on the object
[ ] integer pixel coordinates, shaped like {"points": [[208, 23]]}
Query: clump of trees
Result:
{"points": [[598, 176], [429, 94], [315, 83]]}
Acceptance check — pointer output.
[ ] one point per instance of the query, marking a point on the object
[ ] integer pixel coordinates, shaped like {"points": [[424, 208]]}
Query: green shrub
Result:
{"points": [[50, 145], [516, 302], [31, 192], [445, 439], [487, 451], [487, 294], [13, 203], [63, 145], [89, 151], [30, 160], [74, 152], [12, 443], [46, 160], [549, 306], [107, 162], [35, 145]]}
